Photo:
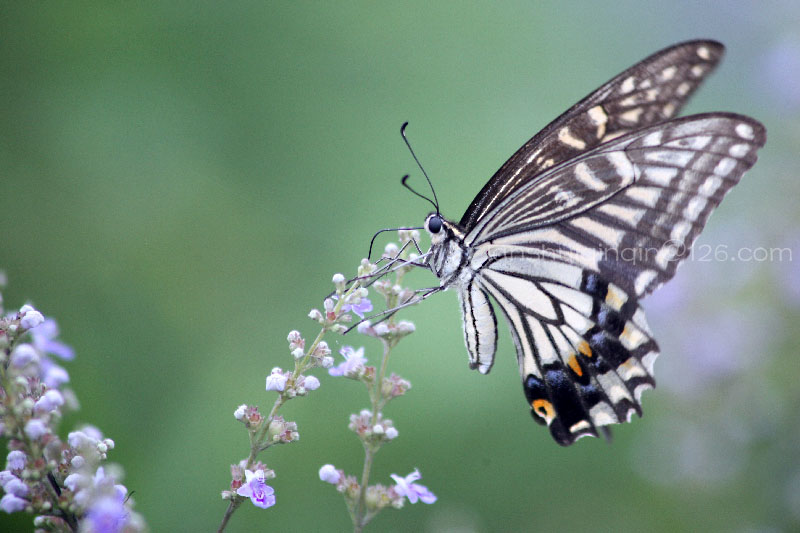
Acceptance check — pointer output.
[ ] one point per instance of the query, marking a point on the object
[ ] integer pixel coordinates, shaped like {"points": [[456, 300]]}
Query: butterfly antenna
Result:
{"points": [[435, 200]]}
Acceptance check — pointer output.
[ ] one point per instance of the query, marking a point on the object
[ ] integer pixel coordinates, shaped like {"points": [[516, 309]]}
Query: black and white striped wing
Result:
{"points": [[568, 257], [650, 92]]}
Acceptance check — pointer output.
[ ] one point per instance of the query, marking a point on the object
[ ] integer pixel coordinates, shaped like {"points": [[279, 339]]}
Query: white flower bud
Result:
{"points": [[329, 474], [328, 304], [298, 353], [327, 362], [30, 317], [391, 250], [391, 433], [314, 314], [339, 281], [239, 412], [311, 383]]}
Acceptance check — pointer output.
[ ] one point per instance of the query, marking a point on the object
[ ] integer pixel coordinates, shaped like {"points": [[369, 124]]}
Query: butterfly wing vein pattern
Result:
{"points": [[586, 219]]}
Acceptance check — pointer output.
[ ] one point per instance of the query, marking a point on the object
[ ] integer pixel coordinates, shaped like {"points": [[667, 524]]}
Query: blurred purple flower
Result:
{"points": [[16, 487], [414, 492], [261, 494], [11, 504], [44, 337], [50, 401], [108, 514], [353, 361], [15, 460], [781, 72], [709, 348], [35, 429]]}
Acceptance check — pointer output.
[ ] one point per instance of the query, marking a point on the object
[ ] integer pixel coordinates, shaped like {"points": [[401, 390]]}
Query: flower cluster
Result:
{"points": [[248, 477], [374, 430], [66, 485]]}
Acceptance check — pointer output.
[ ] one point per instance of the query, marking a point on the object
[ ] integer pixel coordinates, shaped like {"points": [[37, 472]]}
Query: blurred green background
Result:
{"points": [[180, 180]]}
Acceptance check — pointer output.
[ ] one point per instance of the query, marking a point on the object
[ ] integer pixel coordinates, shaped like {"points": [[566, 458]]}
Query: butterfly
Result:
{"points": [[587, 218]]}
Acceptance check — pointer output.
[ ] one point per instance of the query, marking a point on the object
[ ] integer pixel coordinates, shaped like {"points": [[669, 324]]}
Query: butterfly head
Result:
{"points": [[434, 225]]}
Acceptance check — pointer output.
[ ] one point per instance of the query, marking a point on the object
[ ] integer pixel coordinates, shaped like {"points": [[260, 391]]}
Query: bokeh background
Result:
{"points": [[180, 180]]}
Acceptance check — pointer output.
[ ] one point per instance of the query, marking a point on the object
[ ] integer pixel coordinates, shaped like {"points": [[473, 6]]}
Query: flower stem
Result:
{"points": [[362, 517]]}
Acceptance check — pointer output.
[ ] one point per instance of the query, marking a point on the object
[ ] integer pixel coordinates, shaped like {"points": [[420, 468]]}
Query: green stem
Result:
{"points": [[257, 444], [362, 516]]}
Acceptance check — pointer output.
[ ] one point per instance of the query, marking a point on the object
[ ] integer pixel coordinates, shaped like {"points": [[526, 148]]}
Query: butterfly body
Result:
{"points": [[588, 217]]}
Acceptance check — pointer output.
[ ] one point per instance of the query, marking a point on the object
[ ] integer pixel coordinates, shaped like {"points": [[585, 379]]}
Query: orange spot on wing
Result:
{"points": [[544, 409], [585, 349], [575, 365]]}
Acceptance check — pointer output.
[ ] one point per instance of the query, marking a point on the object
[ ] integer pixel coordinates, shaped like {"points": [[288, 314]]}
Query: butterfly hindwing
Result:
{"points": [[652, 91], [584, 350]]}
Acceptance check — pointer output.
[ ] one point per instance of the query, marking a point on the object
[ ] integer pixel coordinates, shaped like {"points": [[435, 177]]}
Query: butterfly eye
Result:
{"points": [[435, 224]]}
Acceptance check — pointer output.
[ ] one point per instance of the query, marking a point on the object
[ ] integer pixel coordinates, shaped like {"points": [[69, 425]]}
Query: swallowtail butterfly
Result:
{"points": [[588, 217]]}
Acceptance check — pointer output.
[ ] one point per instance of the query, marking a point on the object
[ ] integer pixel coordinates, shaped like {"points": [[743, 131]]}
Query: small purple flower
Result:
{"points": [[354, 361], [261, 494], [35, 429], [53, 375], [108, 514], [23, 355], [414, 492], [30, 317], [329, 474], [11, 504], [5, 477], [311, 383], [50, 401], [44, 339], [362, 307], [15, 460], [16, 487], [276, 380], [73, 481]]}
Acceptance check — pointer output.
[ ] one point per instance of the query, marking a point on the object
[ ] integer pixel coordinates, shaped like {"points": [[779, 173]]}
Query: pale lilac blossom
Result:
{"points": [[23, 355], [329, 474], [11, 504], [5, 477], [44, 338], [50, 401], [53, 375], [361, 308], [413, 491], [16, 487], [35, 429], [354, 361], [15, 460], [108, 514], [261, 494], [276, 380], [30, 317], [311, 383], [239, 412]]}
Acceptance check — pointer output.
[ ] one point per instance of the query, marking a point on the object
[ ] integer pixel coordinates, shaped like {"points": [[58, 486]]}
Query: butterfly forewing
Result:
{"points": [[650, 92], [588, 217]]}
